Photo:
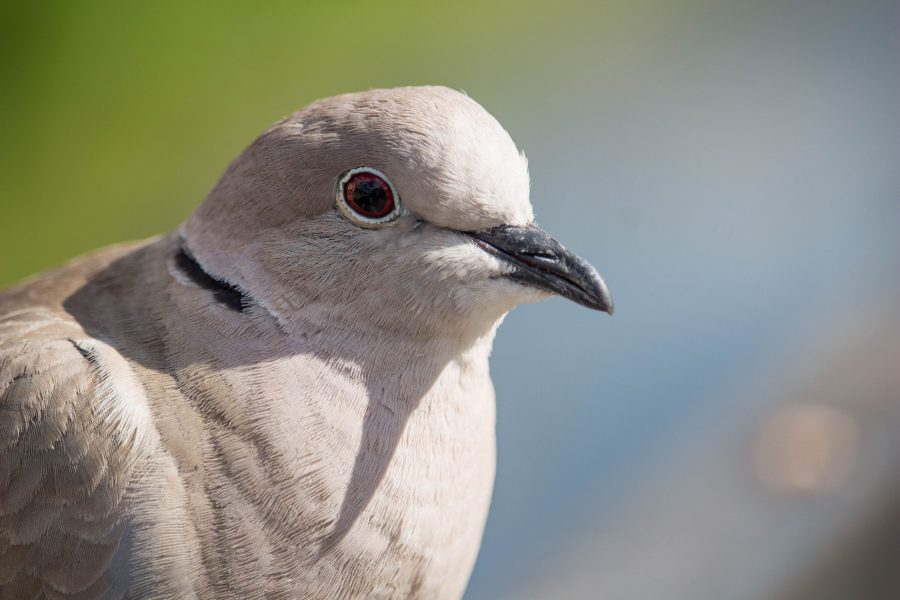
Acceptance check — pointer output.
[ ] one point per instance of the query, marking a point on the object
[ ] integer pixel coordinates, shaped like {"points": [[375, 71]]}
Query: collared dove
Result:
{"points": [[288, 397]]}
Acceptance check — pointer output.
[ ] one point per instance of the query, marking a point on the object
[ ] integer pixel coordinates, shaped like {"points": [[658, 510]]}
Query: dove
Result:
{"points": [[289, 395]]}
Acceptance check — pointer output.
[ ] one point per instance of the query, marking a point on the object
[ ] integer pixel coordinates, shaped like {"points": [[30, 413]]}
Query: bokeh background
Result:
{"points": [[733, 168]]}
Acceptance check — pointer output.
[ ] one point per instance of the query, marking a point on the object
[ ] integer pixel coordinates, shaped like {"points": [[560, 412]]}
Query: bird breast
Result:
{"points": [[336, 481]]}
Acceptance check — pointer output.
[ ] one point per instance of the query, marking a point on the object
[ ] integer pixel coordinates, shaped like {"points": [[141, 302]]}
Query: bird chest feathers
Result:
{"points": [[334, 472]]}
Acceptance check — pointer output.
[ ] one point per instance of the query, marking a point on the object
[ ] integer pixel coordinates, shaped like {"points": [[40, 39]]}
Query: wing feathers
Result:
{"points": [[66, 436]]}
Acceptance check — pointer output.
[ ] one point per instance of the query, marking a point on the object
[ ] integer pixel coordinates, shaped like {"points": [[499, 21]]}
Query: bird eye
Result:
{"points": [[366, 197]]}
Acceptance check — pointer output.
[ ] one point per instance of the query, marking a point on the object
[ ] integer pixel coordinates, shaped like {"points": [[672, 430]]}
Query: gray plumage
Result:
{"points": [[277, 401]]}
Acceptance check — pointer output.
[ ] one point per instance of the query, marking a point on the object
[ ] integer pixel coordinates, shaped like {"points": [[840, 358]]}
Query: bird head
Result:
{"points": [[405, 208]]}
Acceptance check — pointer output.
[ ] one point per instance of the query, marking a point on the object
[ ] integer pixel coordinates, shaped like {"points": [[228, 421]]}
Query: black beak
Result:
{"points": [[542, 262]]}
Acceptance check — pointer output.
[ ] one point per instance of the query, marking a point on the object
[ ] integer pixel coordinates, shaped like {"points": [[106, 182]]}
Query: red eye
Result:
{"points": [[368, 194]]}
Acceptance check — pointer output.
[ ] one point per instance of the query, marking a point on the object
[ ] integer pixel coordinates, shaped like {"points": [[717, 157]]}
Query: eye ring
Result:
{"points": [[367, 197]]}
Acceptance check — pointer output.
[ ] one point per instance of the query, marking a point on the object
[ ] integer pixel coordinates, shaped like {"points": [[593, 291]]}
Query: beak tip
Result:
{"points": [[605, 302], [600, 298]]}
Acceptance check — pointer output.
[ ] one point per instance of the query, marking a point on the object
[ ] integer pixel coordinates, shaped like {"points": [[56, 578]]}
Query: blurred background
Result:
{"points": [[732, 168]]}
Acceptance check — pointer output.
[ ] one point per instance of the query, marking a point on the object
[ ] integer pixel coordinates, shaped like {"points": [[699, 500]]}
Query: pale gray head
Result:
{"points": [[405, 209]]}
